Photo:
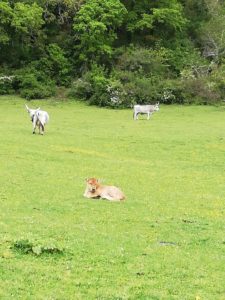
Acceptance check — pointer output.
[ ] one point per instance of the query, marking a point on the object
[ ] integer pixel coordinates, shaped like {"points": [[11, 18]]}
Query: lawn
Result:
{"points": [[166, 241]]}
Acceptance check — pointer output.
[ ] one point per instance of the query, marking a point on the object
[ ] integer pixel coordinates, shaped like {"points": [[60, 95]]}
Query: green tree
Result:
{"points": [[6, 15], [95, 28], [149, 21], [56, 64], [212, 32], [27, 19], [20, 30]]}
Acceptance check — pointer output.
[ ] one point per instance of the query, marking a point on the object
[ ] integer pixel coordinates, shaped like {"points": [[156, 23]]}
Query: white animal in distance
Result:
{"points": [[145, 109], [39, 118]]}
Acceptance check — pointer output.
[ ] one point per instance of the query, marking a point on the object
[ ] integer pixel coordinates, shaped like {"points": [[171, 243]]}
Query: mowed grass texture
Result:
{"points": [[166, 241]]}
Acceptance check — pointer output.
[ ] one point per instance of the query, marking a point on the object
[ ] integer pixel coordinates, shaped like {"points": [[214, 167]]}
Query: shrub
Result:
{"points": [[171, 92], [119, 89], [138, 88], [199, 91], [40, 92], [141, 72], [99, 83], [6, 85], [92, 86], [99, 89], [31, 88], [144, 61], [33, 84], [217, 79], [56, 65], [143, 76], [81, 88], [183, 55]]}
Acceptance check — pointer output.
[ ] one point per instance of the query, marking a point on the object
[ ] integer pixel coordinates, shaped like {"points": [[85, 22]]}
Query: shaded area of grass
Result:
{"points": [[165, 242]]}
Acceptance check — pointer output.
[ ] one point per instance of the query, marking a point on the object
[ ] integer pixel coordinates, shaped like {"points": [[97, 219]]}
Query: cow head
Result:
{"points": [[92, 184], [31, 112], [156, 106]]}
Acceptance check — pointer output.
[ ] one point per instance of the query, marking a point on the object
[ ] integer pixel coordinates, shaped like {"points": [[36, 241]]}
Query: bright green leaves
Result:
{"points": [[6, 15], [149, 15], [27, 18], [57, 64], [22, 19], [95, 27], [171, 17]]}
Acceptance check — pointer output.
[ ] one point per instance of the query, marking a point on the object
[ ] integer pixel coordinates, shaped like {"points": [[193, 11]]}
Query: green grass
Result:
{"points": [[165, 242]]}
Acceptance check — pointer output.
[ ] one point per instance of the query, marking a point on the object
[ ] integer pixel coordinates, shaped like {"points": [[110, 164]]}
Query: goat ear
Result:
{"points": [[27, 107]]}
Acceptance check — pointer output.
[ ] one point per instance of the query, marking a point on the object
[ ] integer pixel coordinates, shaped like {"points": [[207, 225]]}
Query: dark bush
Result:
{"points": [[39, 92], [144, 61], [92, 87], [171, 92], [33, 84], [99, 89], [56, 65], [199, 91], [6, 85], [31, 88], [141, 72], [81, 88]]}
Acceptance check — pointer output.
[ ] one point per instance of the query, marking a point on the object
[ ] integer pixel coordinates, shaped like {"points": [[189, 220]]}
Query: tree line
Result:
{"points": [[114, 52]]}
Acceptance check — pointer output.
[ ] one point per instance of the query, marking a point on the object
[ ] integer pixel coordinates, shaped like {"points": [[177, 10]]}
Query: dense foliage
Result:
{"points": [[114, 52]]}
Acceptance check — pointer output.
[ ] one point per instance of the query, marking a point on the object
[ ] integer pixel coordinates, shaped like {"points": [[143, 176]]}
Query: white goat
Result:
{"points": [[145, 109], [39, 118]]}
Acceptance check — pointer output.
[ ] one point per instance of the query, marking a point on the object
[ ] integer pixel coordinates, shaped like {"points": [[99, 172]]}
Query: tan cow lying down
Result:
{"points": [[96, 190]]}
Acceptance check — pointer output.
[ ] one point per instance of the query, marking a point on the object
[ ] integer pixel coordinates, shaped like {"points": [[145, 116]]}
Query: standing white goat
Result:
{"points": [[39, 118], [145, 109]]}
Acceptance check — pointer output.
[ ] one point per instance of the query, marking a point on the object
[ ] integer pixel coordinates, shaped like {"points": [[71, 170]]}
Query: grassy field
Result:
{"points": [[166, 241]]}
